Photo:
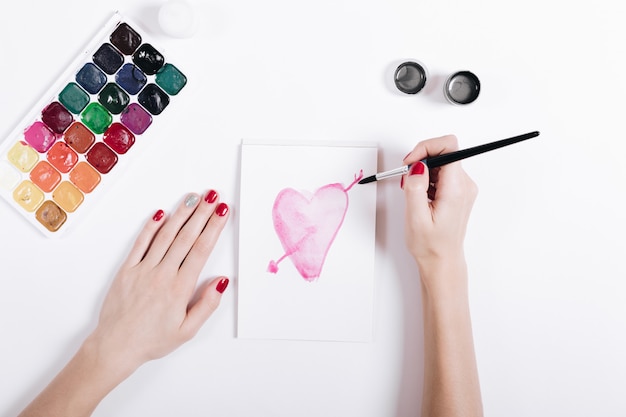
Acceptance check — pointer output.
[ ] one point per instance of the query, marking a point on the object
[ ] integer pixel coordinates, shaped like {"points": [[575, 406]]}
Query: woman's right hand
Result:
{"points": [[438, 205]]}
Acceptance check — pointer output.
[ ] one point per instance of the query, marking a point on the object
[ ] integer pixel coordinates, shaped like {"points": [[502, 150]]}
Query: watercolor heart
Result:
{"points": [[307, 225]]}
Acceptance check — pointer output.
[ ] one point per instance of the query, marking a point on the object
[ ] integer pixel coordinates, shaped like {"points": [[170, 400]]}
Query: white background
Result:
{"points": [[545, 244]]}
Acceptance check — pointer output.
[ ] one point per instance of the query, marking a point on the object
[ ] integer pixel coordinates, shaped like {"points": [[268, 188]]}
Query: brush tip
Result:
{"points": [[368, 179]]}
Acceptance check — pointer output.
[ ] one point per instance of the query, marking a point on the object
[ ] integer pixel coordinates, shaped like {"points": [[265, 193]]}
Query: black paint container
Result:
{"points": [[410, 77], [462, 87]]}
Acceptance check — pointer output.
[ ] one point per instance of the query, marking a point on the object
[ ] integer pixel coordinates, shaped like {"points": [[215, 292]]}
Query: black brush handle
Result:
{"points": [[447, 158]]}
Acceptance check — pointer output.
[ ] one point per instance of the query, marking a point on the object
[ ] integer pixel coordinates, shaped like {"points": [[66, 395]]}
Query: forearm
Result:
{"points": [[79, 387], [451, 384]]}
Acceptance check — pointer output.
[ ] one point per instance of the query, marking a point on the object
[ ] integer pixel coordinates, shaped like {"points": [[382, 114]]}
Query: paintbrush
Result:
{"points": [[447, 158]]}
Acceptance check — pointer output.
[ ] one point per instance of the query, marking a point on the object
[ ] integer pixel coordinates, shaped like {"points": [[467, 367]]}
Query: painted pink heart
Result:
{"points": [[307, 226]]}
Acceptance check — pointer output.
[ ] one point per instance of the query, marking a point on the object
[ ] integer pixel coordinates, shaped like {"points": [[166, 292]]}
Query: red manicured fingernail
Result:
{"points": [[402, 182], [222, 209], [417, 168], [158, 215], [211, 197], [221, 286]]}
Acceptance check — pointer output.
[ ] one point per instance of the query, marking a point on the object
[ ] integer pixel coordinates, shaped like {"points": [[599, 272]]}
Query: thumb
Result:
{"points": [[207, 302], [415, 187]]}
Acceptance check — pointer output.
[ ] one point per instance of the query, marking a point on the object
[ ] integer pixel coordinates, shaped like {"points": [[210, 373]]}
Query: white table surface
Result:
{"points": [[545, 244]]}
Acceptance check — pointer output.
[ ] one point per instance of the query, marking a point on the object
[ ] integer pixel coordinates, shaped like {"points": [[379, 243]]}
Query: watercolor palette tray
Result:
{"points": [[87, 127]]}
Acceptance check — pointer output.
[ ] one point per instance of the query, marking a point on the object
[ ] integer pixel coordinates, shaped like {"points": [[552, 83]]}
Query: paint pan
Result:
{"points": [[462, 87], [410, 77], [88, 126]]}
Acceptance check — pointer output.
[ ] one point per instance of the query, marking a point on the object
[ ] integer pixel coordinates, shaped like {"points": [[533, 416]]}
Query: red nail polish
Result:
{"points": [[211, 197], [158, 215], [221, 286], [417, 168], [402, 182], [222, 209]]}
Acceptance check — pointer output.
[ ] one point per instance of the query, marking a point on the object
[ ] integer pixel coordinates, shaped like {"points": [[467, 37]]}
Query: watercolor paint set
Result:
{"points": [[87, 127]]}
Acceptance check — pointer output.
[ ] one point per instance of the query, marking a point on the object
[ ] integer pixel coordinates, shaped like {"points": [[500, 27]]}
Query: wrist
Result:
{"points": [[437, 256], [444, 278], [107, 361], [80, 386]]}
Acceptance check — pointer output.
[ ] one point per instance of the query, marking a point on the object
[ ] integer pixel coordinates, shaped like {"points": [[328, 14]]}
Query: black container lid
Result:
{"points": [[462, 87], [410, 77]]}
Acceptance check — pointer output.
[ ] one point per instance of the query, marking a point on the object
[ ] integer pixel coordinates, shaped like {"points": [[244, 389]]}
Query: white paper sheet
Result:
{"points": [[295, 281]]}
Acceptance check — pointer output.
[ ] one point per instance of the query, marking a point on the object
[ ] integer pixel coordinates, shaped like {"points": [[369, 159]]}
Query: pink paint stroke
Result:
{"points": [[307, 227]]}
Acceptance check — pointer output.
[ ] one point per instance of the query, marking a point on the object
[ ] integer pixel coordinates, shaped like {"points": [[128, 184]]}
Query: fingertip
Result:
{"points": [[418, 176], [416, 194], [191, 200], [418, 168], [207, 302], [222, 209], [222, 284], [212, 294], [158, 216], [145, 237], [211, 196]]}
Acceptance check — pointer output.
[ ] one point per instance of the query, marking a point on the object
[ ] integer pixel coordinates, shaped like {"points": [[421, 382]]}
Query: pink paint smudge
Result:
{"points": [[307, 226]]}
